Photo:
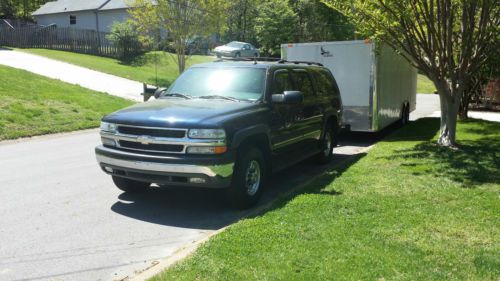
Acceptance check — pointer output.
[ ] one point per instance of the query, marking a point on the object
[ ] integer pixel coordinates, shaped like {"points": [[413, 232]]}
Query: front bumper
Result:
{"points": [[210, 172]]}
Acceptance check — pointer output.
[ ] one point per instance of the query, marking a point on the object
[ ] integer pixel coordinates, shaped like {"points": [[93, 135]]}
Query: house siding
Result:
{"points": [[108, 17], [85, 19]]}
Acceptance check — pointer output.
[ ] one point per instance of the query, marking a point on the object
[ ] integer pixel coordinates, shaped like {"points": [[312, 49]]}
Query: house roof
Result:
{"points": [[66, 6], [115, 4]]}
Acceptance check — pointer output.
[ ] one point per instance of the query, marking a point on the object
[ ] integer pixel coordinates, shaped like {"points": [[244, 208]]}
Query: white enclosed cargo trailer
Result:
{"points": [[377, 85]]}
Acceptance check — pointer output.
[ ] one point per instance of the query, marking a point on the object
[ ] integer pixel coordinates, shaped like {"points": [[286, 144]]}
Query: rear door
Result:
{"points": [[311, 112]]}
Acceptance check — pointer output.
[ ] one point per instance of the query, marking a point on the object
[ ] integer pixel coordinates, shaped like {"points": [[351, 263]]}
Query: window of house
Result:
{"points": [[72, 19]]}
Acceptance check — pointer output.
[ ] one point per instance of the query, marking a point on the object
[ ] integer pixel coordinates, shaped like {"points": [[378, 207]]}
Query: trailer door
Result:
{"points": [[351, 63]]}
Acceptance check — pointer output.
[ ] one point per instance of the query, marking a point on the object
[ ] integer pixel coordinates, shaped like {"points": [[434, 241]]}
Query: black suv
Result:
{"points": [[224, 125]]}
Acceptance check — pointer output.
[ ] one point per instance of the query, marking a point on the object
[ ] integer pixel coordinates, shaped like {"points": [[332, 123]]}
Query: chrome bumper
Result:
{"points": [[149, 167]]}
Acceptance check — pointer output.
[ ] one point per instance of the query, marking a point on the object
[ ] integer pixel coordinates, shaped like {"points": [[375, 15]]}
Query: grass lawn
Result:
{"points": [[141, 69], [34, 105], [406, 210], [424, 85]]}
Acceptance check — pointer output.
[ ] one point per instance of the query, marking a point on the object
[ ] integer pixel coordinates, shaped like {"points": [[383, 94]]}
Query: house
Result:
{"points": [[96, 15]]}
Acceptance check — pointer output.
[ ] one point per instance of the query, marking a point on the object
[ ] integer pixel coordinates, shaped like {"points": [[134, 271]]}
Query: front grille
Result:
{"points": [[152, 146], [164, 133]]}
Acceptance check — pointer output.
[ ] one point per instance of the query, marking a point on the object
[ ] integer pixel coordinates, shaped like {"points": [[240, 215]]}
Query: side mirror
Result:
{"points": [[159, 91], [288, 97]]}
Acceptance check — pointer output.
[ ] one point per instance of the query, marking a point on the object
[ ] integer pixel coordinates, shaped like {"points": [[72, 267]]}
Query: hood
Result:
{"points": [[179, 113]]}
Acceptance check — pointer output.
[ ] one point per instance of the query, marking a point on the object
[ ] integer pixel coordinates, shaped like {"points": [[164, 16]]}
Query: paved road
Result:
{"points": [[61, 218], [73, 74]]}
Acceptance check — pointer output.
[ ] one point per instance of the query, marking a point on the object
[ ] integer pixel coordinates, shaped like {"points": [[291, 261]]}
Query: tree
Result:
{"points": [[447, 40], [182, 19], [275, 24], [125, 37], [240, 21], [19, 8], [476, 88], [317, 22]]}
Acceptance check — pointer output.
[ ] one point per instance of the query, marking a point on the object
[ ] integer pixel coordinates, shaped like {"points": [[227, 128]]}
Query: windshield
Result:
{"points": [[234, 45], [237, 83]]}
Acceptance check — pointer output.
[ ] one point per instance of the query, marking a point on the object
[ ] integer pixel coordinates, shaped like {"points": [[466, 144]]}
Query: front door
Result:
{"points": [[284, 118]]}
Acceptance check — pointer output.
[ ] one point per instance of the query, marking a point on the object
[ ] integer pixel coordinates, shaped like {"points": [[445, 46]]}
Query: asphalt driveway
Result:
{"points": [[62, 218]]}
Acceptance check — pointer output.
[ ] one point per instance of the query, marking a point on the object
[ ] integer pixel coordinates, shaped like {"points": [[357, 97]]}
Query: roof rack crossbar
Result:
{"points": [[254, 59], [300, 62]]}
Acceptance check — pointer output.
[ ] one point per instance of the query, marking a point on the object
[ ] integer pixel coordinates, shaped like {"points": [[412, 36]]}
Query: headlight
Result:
{"points": [[108, 127], [206, 149], [207, 134]]}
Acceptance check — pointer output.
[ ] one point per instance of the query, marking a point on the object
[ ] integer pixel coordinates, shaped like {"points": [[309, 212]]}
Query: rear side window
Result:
{"points": [[281, 82], [303, 82]]}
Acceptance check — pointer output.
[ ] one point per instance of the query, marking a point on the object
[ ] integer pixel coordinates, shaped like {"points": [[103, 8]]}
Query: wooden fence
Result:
{"points": [[57, 38]]}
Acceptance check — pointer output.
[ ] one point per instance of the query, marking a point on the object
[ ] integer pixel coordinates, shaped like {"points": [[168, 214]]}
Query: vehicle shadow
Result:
{"points": [[208, 209]]}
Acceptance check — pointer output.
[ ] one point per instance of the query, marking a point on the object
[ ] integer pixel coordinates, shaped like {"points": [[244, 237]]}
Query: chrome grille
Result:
{"points": [[153, 140], [152, 146], [154, 132]]}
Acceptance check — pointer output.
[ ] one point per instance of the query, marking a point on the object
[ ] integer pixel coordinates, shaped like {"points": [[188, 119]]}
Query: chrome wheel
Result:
{"points": [[252, 178]]}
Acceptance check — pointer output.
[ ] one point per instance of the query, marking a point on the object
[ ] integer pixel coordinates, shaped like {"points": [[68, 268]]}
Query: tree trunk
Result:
{"points": [[181, 56], [449, 114]]}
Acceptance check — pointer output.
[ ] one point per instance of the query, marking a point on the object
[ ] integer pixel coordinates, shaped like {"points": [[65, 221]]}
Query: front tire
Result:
{"points": [[237, 55], [129, 185], [248, 179]]}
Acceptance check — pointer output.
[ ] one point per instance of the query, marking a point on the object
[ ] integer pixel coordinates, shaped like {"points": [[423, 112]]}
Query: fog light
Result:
{"points": [[197, 180], [108, 169], [108, 141]]}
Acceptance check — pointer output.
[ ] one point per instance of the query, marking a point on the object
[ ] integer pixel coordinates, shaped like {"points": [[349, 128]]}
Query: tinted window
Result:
{"points": [[72, 19], [281, 82], [303, 83], [324, 83], [240, 83]]}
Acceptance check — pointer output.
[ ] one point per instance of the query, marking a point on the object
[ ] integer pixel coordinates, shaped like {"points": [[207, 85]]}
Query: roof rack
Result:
{"points": [[254, 59], [278, 60], [300, 62]]}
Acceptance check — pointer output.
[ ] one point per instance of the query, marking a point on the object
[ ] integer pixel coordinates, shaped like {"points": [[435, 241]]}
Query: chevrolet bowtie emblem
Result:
{"points": [[144, 140]]}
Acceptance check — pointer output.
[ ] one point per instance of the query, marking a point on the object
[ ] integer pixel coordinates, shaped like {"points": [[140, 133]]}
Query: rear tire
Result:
{"points": [[327, 143], [129, 185], [248, 178]]}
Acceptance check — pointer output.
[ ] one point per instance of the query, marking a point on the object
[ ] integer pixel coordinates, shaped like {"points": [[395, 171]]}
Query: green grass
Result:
{"points": [[141, 68], [34, 105], [424, 85], [406, 210]]}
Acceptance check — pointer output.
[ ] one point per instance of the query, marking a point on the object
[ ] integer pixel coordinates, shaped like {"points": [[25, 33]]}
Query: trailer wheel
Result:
{"points": [[405, 115]]}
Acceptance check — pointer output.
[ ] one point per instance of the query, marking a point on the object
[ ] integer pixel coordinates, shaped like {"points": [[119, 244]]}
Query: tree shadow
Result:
{"points": [[4, 48], [477, 161]]}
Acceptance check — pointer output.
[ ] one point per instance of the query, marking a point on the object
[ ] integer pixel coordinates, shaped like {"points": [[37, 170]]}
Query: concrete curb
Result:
{"points": [[186, 251], [48, 136]]}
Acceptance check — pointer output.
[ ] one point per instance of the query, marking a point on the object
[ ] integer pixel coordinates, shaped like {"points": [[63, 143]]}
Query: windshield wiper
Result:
{"points": [[180, 95], [218, 97]]}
